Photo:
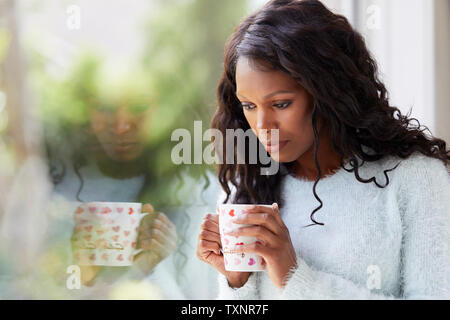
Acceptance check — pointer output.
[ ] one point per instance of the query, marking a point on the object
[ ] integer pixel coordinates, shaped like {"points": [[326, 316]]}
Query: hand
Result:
{"points": [[209, 248], [275, 245], [157, 238]]}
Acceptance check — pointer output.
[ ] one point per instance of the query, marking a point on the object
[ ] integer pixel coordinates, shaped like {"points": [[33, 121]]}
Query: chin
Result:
{"points": [[125, 156], [281, 158]]}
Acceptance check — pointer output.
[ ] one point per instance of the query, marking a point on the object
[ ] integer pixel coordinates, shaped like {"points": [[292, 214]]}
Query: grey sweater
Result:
{"points": [[391, 243]]}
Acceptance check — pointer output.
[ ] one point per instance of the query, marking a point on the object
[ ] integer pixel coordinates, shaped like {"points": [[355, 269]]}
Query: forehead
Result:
{"points": [[254, 76]]}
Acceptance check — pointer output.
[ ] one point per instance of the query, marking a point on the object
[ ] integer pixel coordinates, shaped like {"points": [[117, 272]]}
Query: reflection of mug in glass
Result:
{"points": [[237, 261], [106, 233]]}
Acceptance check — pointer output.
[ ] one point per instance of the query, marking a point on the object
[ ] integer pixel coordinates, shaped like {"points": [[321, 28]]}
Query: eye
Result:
{"points": [[138, 108], [283, 105], [247, 106], [104, 108]]}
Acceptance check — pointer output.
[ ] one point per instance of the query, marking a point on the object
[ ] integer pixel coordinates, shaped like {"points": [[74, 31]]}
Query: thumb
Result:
{"points": [[147, 208]]}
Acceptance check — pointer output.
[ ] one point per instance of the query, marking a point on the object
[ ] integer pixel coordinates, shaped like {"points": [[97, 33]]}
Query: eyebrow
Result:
{"points": [[270, 95]]}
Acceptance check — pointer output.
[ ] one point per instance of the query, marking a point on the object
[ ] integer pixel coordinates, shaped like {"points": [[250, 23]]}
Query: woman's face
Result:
{"points": [[119, 132], [274, 100]]}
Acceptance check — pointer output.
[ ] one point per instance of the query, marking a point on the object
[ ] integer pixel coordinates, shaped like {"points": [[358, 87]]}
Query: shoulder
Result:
{"points": [[419, 167], [422, 179]]}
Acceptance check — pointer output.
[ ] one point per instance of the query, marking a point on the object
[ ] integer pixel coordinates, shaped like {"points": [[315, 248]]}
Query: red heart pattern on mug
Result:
{"points": [[251, 262], [79, 210], [231, 213], [101, 226], [106, 210]]}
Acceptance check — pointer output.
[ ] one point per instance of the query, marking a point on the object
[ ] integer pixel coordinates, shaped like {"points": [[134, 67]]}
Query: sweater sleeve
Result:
{"points": [[424, 202], [249, 291]]}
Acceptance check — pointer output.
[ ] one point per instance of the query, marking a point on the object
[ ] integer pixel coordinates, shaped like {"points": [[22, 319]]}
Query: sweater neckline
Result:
{"points": [[333, 176]]}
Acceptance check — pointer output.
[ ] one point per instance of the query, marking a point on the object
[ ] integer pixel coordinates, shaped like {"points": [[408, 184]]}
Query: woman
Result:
{"points": [[376, 188]]}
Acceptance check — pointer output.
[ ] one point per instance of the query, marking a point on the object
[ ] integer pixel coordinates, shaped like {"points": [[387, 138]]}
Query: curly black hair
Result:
{"points": [[326, 56]]}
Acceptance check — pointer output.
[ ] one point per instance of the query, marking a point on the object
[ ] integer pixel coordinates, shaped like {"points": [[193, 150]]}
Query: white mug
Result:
{"points": [[242, 262], [106, 233]]}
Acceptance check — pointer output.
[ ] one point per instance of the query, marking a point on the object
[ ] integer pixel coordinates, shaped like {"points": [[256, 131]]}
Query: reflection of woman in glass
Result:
{"points": [[114, 154], [112, 164], [375, 188]]}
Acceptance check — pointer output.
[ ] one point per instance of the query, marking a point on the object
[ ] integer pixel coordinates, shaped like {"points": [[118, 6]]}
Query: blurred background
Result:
{"points": [[75, 72]]}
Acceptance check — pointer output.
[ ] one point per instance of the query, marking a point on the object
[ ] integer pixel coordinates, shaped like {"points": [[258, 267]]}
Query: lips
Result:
{"points": [[125, 146], [276, 147]]}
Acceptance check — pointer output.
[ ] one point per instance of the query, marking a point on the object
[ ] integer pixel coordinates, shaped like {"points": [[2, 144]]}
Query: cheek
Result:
{"points": [[298, 128], [98, 123]]}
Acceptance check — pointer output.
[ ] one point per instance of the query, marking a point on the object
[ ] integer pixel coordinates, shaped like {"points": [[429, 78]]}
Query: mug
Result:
{"points": [[243, 262], [106, 233]]}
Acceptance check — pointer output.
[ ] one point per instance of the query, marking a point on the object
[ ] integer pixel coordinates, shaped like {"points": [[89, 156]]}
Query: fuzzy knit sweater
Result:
{"points": [[391, 243]]}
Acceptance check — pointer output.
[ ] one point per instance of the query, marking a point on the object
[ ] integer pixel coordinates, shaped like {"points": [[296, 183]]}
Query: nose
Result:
{"points": [[265, 120], [123, 123]]}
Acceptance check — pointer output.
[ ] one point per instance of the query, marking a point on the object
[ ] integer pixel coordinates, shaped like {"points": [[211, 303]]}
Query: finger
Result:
{"points": [[206, 246], [165, 220], [256, 248], [212, 216], [160, 249], [274, 211], [147, 208], [155, 252], [210, 226], [153, 246], [168, 239], [259, 232], [210, 236], [165, 226], [147, 221], [163, 238], [264, 219]]}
